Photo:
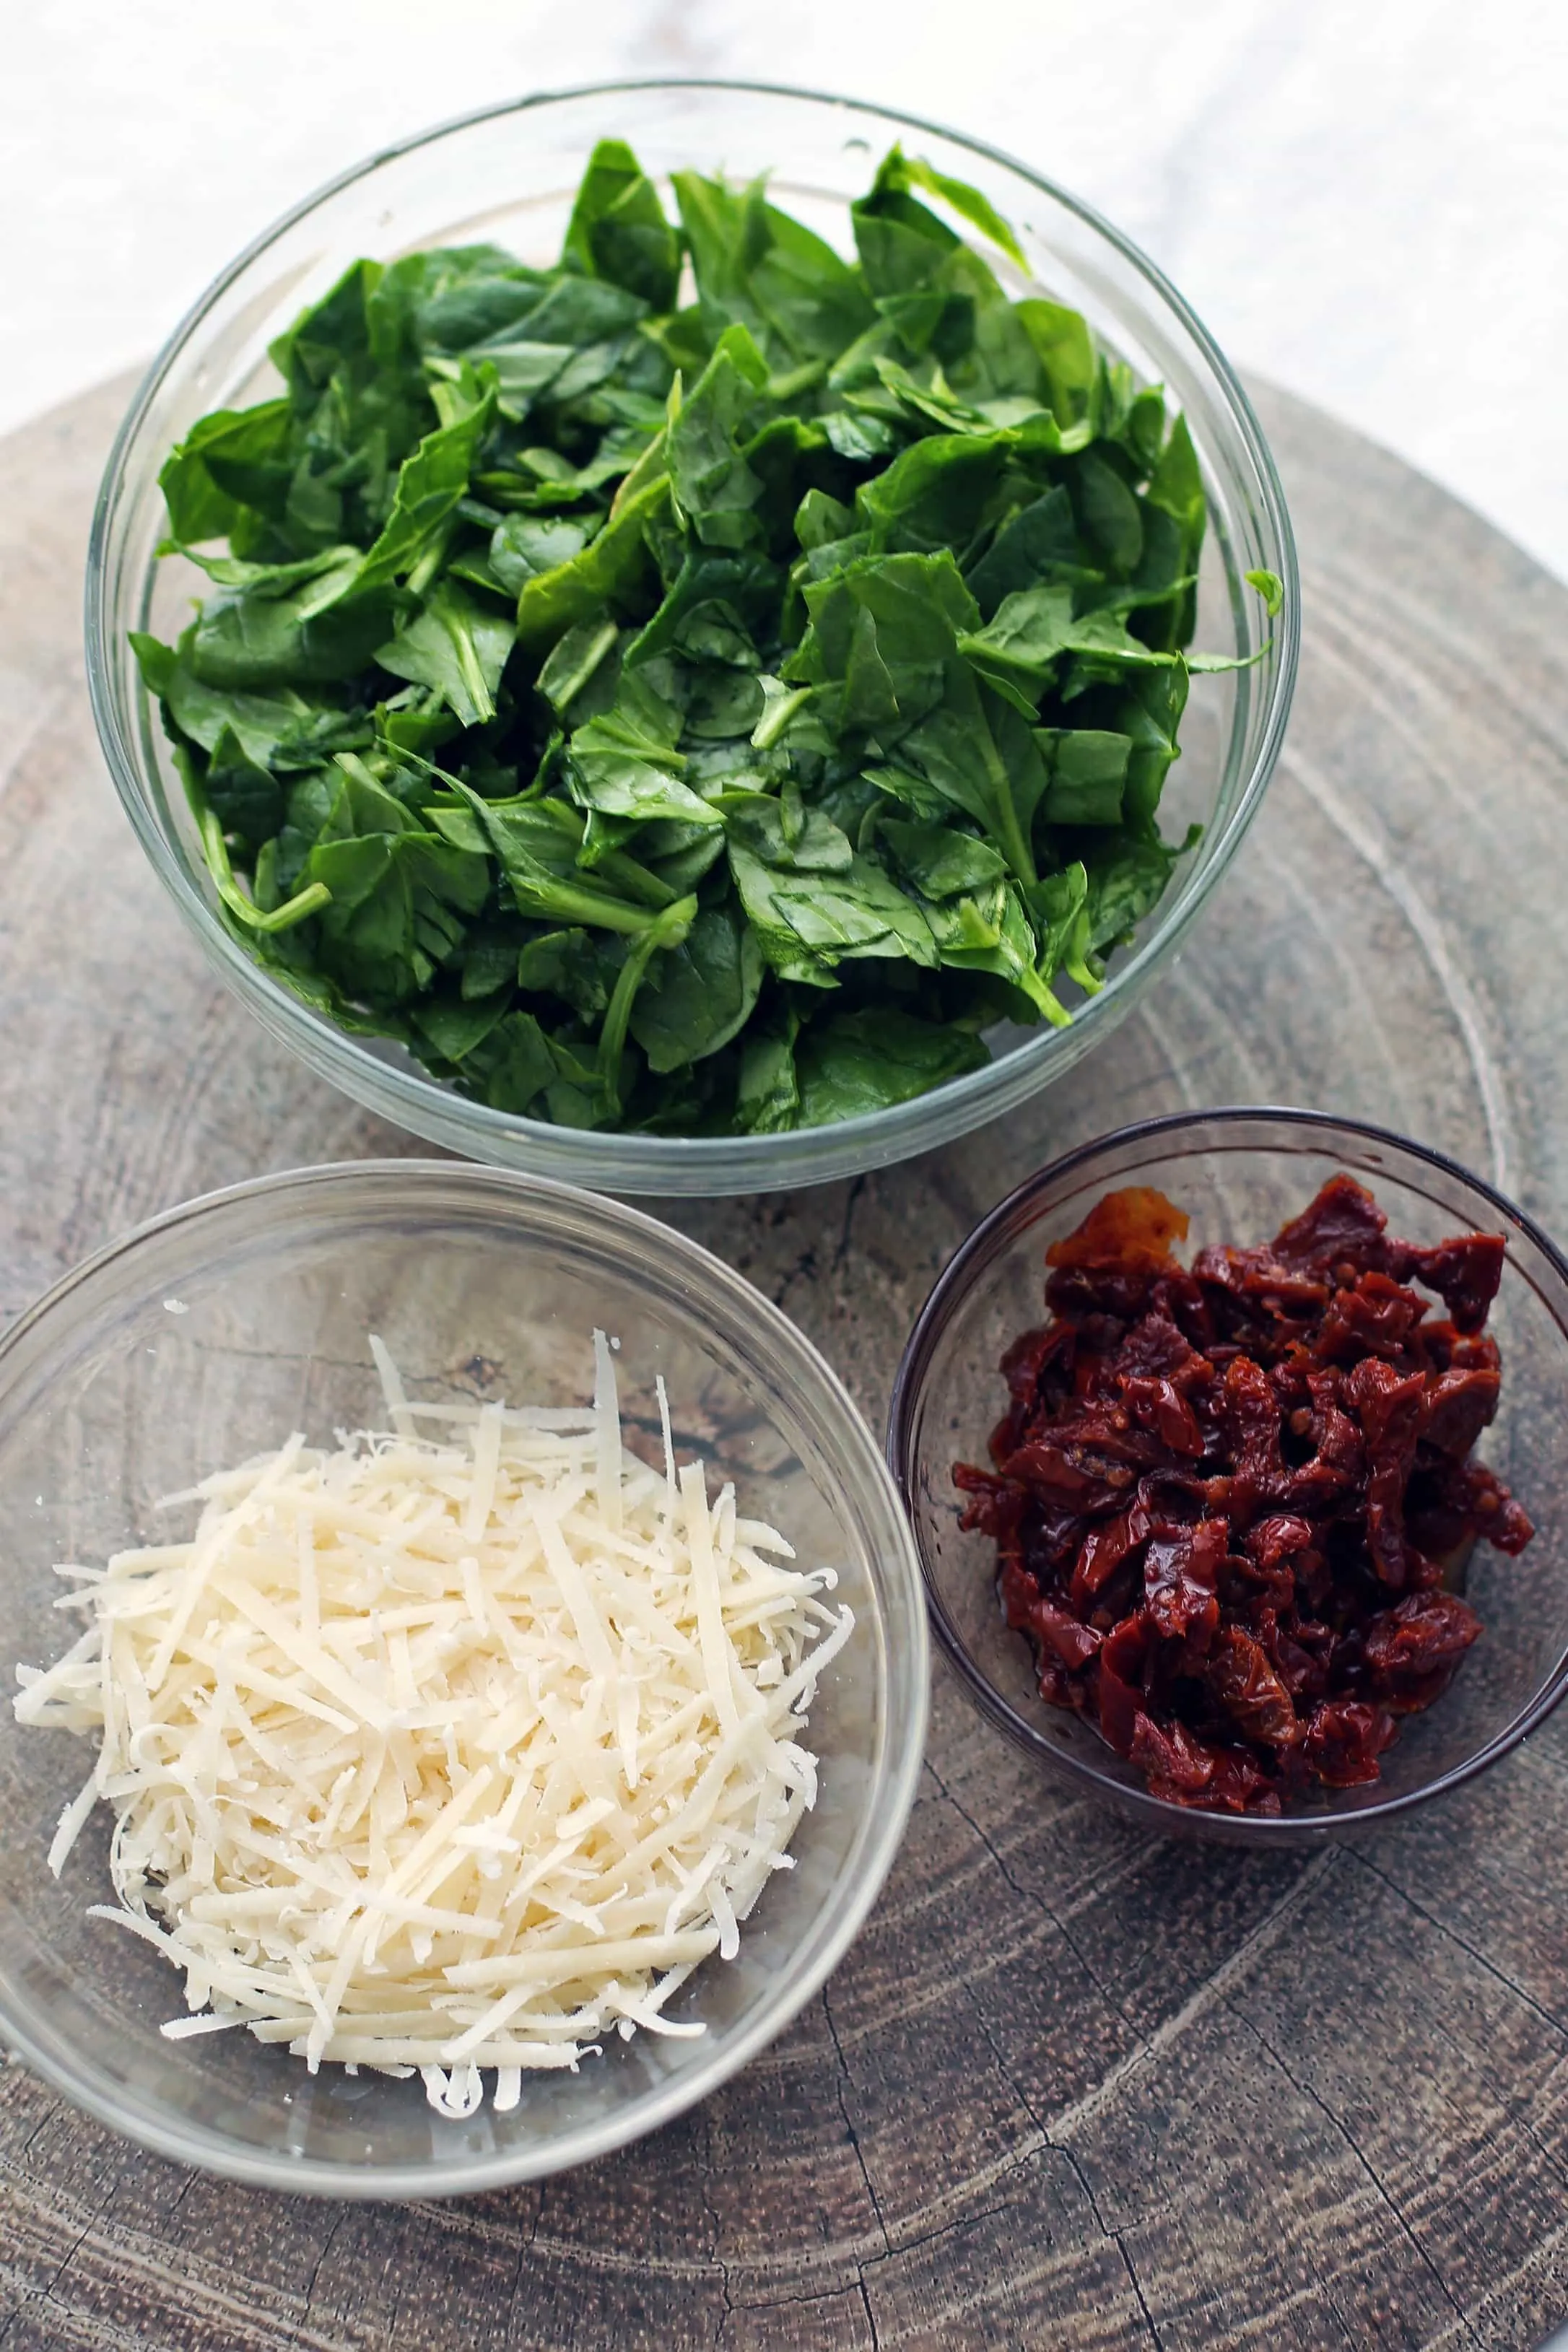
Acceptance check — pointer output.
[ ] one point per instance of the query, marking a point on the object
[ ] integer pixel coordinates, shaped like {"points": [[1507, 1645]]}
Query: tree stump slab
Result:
{"points": [[1075, 2088]]}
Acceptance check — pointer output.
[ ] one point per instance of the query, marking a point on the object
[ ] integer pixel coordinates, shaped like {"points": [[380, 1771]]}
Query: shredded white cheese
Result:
{"points": [[446, 1752]]}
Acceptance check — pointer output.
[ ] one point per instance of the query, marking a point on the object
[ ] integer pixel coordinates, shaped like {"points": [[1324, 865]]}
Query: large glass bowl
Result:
{"points": [[1239, 1174], [209, 1335], [509, 174]]}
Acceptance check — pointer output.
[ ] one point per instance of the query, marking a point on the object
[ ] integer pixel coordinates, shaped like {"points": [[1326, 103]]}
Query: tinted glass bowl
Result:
{"points": [[509, 175], [205, 1338], [1240, 1174]]}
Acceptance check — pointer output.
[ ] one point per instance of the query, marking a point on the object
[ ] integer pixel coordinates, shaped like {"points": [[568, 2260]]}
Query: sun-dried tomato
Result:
{"points": [[1407, 1646], [1181, 1579], [1223, 1499], [1344, 1740], [1464, 1273], [1124, 1231], [1341, 1224], [1457, 1407]]}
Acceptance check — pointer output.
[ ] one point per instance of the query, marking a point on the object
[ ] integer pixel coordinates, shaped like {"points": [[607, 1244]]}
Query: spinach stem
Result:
{"points": [[667, 930], [216, 856]]}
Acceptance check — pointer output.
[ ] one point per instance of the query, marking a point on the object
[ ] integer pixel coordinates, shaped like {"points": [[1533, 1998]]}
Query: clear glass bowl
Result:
{"points": [[509, 175], [1239, 1174], [480, 1282]]}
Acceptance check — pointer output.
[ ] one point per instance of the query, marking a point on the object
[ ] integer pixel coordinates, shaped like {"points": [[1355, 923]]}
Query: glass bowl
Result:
{"points": [[1239, 1174], [207, 1336], [509, 174]]}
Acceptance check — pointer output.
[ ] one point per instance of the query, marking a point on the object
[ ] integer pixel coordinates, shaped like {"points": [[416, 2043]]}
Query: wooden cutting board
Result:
{"points": [[1074, 2087]]}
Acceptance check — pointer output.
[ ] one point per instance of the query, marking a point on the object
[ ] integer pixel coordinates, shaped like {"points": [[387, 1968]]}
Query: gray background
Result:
{"points": [[1367, 200]]}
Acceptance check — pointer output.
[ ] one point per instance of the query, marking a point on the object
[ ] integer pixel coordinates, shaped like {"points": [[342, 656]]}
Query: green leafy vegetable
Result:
{"points": [[1270, 587], [700, 719], [456, 647], [618, 230], [854, 1062]]}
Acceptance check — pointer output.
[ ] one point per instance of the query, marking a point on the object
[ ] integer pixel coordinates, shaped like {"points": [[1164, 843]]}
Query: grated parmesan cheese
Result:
{"points": [[446, 1751]]}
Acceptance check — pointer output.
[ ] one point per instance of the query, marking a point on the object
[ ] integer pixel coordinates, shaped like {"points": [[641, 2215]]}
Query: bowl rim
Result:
{"points": [[1007, 1221], [697, 1164], [898, 1558]]}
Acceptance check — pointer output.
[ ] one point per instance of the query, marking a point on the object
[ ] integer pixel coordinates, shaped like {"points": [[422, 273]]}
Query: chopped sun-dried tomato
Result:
{"points": [[1223, 1498]]}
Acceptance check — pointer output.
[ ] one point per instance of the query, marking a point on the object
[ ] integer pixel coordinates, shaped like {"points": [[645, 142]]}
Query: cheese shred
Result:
{"points": [[457, 1749]]}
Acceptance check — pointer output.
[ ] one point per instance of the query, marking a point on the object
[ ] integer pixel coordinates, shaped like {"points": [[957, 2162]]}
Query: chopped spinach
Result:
{"points": [[699, 719]]}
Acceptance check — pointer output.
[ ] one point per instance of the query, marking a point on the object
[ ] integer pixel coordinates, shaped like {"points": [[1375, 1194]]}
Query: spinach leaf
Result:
{"points": [[620, 772], [808, 919], [716, 608], [1149, 715], [701, 994], [990, 930], [571, 965], [666, 931], [229, 460], [978, 753], [1087, 770], [902, 173], [429, 485], [767, 1093], [1124, 885], [902, 246], [331, 569], [1109, 517], [1067, 354], [1037, 544], [882, 632], [1020, 651], [798, 839], [757, 265], [574, 660], [470, 295], [940, 861], [282, 731], [456, 1027], [618, 230], [1064, 924], [538, 845], [609, 567], [457, 647], [242, 793], [252, 641], [714, 487], [523, 546], [931, 496], [518, 1065], [856, 1063]]}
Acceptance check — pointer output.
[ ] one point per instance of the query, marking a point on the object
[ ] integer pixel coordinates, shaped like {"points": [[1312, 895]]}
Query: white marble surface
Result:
{"points": [[1366, 199]]}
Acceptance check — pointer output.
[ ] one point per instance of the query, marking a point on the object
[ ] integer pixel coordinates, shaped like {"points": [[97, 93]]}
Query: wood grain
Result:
{"points": [[1074, 2087]]}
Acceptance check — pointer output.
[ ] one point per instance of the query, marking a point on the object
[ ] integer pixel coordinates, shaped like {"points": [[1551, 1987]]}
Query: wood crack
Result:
{"points": [[850, 2127], [1113, 2237], [325, 2248], [705, 2190], [1213, 1989], [1443, 1927], [1380, 2189], [1120, 2242], [1025, 1894]]}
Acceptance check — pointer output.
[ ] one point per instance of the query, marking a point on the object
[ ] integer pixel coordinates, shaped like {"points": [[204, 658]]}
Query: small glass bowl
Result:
{"points": [[1239, 1174], [509, 175], [210, 1334]]}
